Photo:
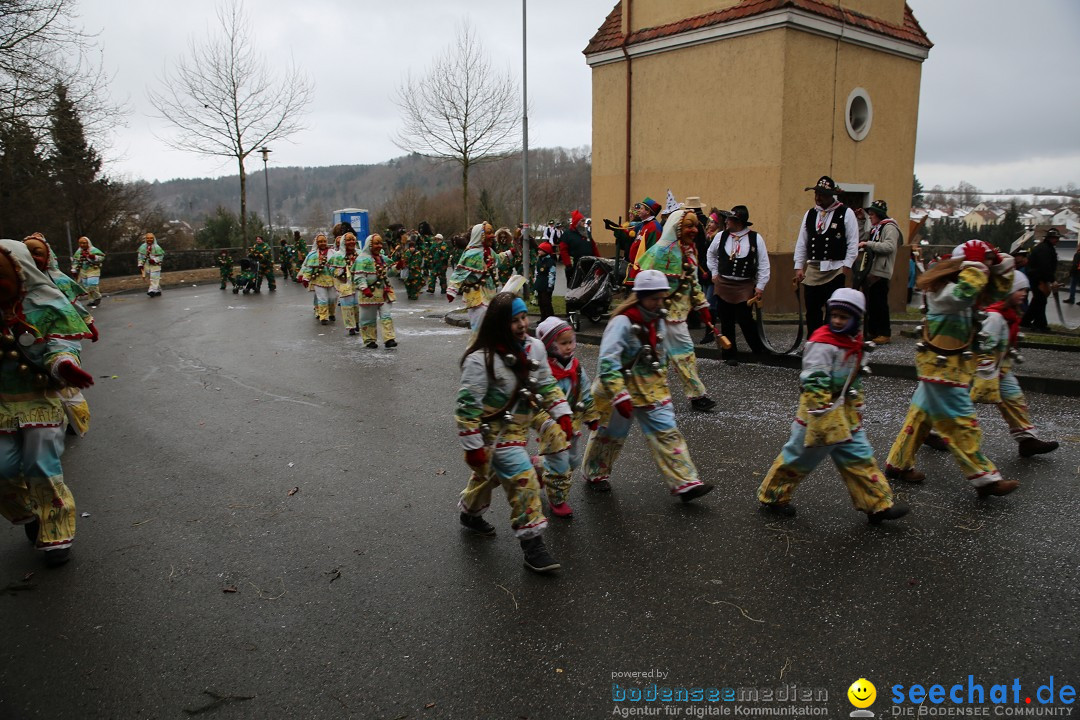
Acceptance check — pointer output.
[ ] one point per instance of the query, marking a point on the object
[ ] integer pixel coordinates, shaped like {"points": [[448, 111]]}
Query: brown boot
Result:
{"points": [[1034, 446], [910, 475], [998, 487]]}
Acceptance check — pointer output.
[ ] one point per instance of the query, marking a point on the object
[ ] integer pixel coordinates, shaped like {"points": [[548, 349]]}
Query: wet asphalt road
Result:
{"points": [[359, 596]]}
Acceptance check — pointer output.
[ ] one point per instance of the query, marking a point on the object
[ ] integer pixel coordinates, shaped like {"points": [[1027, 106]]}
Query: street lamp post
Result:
{"points": [[266, 181], [525, 244]]}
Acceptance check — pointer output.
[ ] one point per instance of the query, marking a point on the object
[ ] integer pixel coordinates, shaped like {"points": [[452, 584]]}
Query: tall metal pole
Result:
{"points": [[266, 181], [524, 143]]}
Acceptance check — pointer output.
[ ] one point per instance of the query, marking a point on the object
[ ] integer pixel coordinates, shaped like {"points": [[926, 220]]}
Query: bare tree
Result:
{"points": [[224, 100], [461, 111]]}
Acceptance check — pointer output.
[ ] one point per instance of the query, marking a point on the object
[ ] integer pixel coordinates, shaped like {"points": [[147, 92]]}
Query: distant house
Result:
{"points": [[976, 219], [1065, 216]]}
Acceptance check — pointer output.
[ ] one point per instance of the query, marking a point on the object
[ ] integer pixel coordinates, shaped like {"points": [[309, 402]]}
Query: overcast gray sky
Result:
{"points": [[1000, 101]]}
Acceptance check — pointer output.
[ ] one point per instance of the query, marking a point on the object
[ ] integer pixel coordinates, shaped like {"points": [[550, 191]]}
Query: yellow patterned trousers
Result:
{"points": [[32, 485], [508, 465]]}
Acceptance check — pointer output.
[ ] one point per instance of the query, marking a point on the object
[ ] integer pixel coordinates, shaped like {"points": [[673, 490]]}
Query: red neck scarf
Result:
{"points": [[852, 344], [562, 372], [1011, 316], [634, 313]]}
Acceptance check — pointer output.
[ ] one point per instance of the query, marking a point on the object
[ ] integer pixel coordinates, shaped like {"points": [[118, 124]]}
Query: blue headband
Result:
{"points": [[518, 307]]}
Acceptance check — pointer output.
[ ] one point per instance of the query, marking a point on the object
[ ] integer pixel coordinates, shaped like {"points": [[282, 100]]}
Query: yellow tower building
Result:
{"points": [[751, 101]]}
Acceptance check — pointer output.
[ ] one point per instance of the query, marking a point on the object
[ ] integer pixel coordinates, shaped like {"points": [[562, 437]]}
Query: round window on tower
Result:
{"points": [[860, 114]]}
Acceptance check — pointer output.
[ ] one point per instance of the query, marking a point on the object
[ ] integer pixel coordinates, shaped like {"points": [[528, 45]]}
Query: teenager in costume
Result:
{"points": [[343, 264], [150, 257], [436, 262], [505, 382], [829, 419], [994, 379], [413, 258], [976, 275], [39, 338], [558, 459], [86, 267], [225, 267], [476, 271], [317, 275], [376, 293], [675, 256], [631, 383]]}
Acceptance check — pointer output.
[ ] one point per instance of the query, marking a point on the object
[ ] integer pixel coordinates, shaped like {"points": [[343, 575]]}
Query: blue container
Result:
{"points": [[358, 219]]}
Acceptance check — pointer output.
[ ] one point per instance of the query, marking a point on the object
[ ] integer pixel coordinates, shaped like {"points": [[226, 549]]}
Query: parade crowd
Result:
{"points": [[682, 263]]}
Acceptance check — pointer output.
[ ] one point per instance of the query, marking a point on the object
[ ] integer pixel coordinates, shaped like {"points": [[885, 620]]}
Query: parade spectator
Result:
{"points": [[1074, 278], [878, 257], [739, 266], [828, 242], [575, 244], [545, 279], [1041, 271]]}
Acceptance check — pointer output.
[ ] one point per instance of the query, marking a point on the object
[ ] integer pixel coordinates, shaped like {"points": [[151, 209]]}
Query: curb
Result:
{"points": [[1050, 386], [1023, 343]]}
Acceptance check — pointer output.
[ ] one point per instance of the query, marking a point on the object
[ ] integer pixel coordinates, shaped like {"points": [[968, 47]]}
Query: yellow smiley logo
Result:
{"points": [[862, 693]]}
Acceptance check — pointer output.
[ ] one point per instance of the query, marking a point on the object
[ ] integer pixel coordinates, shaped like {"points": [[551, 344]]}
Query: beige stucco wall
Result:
{"points": [[654, 13]]}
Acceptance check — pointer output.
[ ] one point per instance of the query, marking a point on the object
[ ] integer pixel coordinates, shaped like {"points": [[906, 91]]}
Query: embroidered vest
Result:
{"points": [[830, 244], [741, 267]]}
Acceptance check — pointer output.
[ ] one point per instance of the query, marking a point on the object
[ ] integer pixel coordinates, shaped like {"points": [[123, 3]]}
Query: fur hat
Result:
{"points": [[848, 299]]}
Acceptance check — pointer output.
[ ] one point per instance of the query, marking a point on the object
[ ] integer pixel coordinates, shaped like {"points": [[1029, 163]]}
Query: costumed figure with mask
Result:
{"points": [[413, 259], [505, 383], [829, 420], [45, 261], [631, 383], [317, 275], [225, 267], [150, 257], [376, 294], [40, 334], [675, 256], [476, 272], [645, 231], [436, 260], [342, 265], [953, 290], [86, 267]]}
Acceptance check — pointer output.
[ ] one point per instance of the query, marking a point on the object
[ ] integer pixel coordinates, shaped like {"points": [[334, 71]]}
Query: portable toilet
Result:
{"points": [[358, 219]]}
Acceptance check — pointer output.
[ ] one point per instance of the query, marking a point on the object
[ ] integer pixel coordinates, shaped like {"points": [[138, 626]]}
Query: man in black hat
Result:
{"points": [[876, 266], [828, 242], [1041, 271], [739, 265]]}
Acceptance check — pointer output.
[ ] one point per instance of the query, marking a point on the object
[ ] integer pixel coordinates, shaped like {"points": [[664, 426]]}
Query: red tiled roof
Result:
{"points": [[609, 36]]}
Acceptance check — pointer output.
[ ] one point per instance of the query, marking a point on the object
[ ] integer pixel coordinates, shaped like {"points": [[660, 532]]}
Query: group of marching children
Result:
{"points": [[43, 321], [512, 383]]}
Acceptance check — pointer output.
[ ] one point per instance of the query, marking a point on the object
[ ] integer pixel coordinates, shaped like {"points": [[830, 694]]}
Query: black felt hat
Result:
{"points": [[825, 184]]}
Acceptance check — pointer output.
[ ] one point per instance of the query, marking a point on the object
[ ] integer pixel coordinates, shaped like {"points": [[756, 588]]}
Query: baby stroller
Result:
{"points": [[591, 289], [245, 279]]}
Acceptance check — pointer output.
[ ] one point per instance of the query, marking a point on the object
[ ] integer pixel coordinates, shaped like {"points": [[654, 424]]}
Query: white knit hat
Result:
{"points": [[651, 281], [847, 299], [551, 327], [1020, 281]]}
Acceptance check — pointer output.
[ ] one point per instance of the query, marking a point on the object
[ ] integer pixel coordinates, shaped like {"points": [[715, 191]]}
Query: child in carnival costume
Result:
{"points": [[631, 384], [86, 267], [976, 275], [413, 258], [225, 267], [150, 257], [436, 262], [829, 420], [39, 338], [674, 255], [342, 264], [558, 459], [376, 293], [505, 383], [995, 382], [318, 276], [476, 271]]}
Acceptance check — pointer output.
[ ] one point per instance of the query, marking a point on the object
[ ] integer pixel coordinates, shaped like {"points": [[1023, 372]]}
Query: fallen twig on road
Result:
{"points": [[264, 596], [508, 593], [787, 664], [725, 602]]}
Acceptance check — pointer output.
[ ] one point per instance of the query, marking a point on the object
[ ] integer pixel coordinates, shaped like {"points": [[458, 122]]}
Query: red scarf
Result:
{"points": [[634, 313], [1009, 313], [562, 373], [851, 343]]}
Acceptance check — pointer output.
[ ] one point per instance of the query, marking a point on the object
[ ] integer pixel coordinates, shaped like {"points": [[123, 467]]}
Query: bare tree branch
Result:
{"points": [[461, 111], [223, 99]]}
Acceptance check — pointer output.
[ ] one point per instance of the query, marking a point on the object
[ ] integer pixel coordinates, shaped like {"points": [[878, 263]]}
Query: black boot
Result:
{"points": [[477, 524], [31, 530], [703, 403], [708, 338], [778, 509], [893, 513], [696, 492], [55, 558], [1034, 446], [391, 343], [537, 557]]}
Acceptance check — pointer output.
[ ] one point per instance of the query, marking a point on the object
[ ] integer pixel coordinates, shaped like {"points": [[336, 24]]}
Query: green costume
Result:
{"points": [[437, 259], [225, 267], [262, 253], [301, 251], [288, 260], [504, 241], [413, 258]]}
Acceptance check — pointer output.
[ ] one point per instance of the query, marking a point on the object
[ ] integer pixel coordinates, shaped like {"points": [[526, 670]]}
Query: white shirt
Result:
{"points": [[851, 232], [738, 244]]}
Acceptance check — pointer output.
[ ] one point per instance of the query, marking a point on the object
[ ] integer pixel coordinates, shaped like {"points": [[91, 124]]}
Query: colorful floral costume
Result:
{"points": [[633, 364], [263, 254], [150, 258], [945, 364], [342, 265], [829, 424], [39, 334], [681, 270], [496, 414], [86, 267], [475, 274], [436, 261], [317, 273], [376, 295], [225, 267]]}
